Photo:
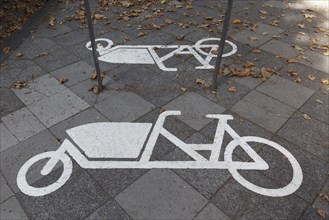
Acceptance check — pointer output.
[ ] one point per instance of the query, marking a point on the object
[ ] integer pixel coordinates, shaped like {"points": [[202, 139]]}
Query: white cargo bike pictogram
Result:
{"points": [[126, 140]]}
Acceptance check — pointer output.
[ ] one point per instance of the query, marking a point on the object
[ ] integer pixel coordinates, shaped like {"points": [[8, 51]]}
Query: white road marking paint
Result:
{"points": [[146, 54], [125, 140]]}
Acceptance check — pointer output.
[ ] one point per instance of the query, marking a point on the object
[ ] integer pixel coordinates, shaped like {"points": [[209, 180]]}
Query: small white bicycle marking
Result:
{"points": [[147, 54], [126, 140]]}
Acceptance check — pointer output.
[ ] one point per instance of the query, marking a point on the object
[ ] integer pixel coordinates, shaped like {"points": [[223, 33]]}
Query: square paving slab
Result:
{"points": [[194, 107], [12, 210], [161, 194], [7, 138]]}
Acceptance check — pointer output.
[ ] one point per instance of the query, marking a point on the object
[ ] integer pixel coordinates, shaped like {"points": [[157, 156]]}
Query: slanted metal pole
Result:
{"points": [[93, 44], [222, 43]]}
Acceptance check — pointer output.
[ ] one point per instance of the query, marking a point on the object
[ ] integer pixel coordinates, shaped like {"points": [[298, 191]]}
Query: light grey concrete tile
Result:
{"points": [[263, 110], [276, 4], [39, 89], [11, 210], [83, 90], [5, 190], [7, 139], [58, 107], [9, 102], [124, 106], [161, 194], [251, 38], [211, 212], [12, 159], [316, 61], [194, 107], [285, 91], [268, 29], [111, 210], [277, 47], [74, 73], [23, 124]]}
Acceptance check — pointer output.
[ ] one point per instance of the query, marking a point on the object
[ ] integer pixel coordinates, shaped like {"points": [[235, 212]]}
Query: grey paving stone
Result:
{"points": [[38, 89], [9, 102], [111, 210], [161, 194], [82, 90], [321, 202], [124, 106], [316, 61], [75, 73], [87, 116], [245, 37], [277, 47], [6, 192], [7, 138], [58, 107], [318, 106], [278, 208], [57, 59], [304, 72], [76, 199], [276, 4], [72, 37], [12, 159], [263, 110], [270, 30], [22, 70], [311, 135], [46, 31], [211, 212], [114, 181], [11, 209], [23, 124], [32, 47], [250, 82], [313, 168], [236, 200], [311, 213], [194, 108], [285, 91], [134, 75]]}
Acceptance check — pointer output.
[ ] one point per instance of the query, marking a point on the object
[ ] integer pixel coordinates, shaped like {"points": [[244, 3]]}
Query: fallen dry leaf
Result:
{"points": [[275, 23], [19, 84], [140, 34], [309, 16], [266, 73], [292, 73], [93, 76], [169, 21], [302, 26], [200, 81], [298, 80], [297, 47], [306, 116], [311, 77], [6, 50], [43, 53], [319, 101], [278, 56], [252, 38], [180, 37], [232, 89], [324, 196], [18, 54], [325, 81], [292, 60], [248, 64], [263, 12], [236, 21], [183, 89], [256, 51], [322, 213], [52, 21], [189, 7], [63, 80]]}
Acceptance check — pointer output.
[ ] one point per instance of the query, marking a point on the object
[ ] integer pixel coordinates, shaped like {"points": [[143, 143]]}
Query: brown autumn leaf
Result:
{"points": [[248, 64], [93, 76], [292, 73], [256, 51], [302, 26], [309, 16], [62, 80], [183, 89], [307, 117], [189, 7], [200, 81], [275, 23], [127, 4], [322, 213], [99, 16], [180, 37], [18, 54], [297, 48], [52, 21], [263, 12], [6, 50], [324, 196], [232, 89], [19, 84], [311, 77], [278, 56], [292, 60], [169, 21], [298, 80], [314, 41], [208, 18], [95, 89], [266, 73], [325, 81], [326, 53], [253, 38], [183, 25], [140, 34], [44, 53], [319, 101], [236, 21]]}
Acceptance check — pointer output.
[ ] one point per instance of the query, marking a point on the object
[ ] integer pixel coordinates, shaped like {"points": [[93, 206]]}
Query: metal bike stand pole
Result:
{"points": [[222, 43], [93, 44]]}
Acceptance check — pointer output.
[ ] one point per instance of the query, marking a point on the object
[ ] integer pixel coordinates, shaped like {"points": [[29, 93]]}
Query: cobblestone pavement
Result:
{"points": [[286, 44]]}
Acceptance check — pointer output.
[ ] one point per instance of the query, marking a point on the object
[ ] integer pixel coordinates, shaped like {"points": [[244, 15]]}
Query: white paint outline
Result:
{"points": [[146, 54], [199, 162]]}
